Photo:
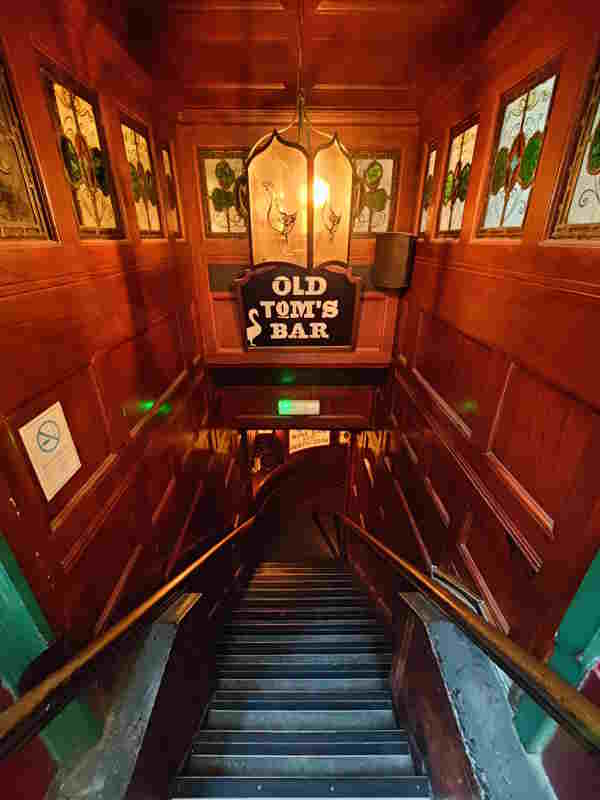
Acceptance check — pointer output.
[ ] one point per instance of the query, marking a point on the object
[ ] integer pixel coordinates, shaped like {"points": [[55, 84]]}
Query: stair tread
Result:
{"points": [[404, 786], [392, 734], [302, 706]]}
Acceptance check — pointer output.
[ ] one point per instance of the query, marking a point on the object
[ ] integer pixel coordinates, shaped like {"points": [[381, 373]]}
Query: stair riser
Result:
{"points": [[301, 720], [307, 639], [403, 787], [304, 684], [369, 660], [303, 766], [358, 612]]}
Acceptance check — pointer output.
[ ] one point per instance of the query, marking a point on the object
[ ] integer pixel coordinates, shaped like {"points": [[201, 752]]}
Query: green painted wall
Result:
{"points": [[577, 648], [25, 633]]}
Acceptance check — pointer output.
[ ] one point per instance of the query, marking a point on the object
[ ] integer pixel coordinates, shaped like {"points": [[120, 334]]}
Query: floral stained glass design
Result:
{"points": [[517, 156], [456, 182], [22, 210], [173, 223], [224, 193], [374, 192], [143, 180], [579, 213], [85, 158], [427, 190]]}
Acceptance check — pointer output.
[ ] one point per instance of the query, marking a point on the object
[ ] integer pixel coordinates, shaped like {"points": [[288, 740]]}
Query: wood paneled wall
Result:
{"points": [[239, 129], [109, 329], [491, 469]]}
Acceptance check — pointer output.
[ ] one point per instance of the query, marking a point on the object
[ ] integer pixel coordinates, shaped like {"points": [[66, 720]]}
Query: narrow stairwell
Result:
{"points": [[302, 707]]}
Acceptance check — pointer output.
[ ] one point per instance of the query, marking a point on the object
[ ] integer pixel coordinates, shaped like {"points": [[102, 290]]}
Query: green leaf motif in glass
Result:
{"points": [[593, 160], [71, 160], [529, 161], [373, 174], [222, 199], [136, 184], [225, 175], [376, 200], [448, 187], [463, 183], [100, 171]]}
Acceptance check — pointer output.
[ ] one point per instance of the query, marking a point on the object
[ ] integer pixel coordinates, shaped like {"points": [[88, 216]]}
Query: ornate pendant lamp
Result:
{"points": [[300, 200]]}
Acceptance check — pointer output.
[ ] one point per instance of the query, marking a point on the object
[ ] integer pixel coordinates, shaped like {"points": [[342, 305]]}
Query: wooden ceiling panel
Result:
{"points": [[372, 54]]}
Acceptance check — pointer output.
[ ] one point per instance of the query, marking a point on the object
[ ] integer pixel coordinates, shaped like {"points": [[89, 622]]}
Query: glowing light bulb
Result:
{"points": [[320, 192]]}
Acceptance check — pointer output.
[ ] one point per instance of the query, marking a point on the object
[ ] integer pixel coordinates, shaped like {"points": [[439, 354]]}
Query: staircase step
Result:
{"points": [[298, 761], [279, 677], [381, 659], [405, 787], [243, 639], [396, 736], [229, 681], [305, 627], [327, 612], [282, 596], [294, 700], [334, 717], [308, 582], [342, 602]]}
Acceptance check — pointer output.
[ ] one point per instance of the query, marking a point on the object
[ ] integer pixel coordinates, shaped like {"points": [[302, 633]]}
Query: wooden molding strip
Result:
{"points": [[163, 500], [283, 116], [117, 590], [544, 520], [415, 528], [528, 551], [446, 409], [96, 477], [166, 395]]}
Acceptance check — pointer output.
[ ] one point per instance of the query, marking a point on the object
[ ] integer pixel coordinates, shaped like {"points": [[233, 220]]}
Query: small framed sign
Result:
{"points": [[284, 306]]}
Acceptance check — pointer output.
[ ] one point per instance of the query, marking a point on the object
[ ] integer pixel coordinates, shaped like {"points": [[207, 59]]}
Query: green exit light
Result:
{"points": [[284, 407], [302, 408]]}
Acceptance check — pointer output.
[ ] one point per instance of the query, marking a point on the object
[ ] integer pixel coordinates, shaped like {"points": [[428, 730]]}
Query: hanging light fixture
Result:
{"points": [[299, 200]]}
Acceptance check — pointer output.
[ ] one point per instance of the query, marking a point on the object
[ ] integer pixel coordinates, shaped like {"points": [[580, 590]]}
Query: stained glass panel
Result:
{"points": [[517, 156], [143, 180], [224, 193], [22, 211], [456, 182], [173, 223], [427, 190], [579, 213], [374, 192], [85, 158]]}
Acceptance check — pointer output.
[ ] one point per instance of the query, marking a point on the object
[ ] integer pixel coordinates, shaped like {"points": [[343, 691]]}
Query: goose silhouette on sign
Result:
{"points": [[254, 330]]}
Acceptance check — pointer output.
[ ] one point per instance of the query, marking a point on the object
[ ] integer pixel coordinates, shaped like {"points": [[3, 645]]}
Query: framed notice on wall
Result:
{"points": [[284, 306]]}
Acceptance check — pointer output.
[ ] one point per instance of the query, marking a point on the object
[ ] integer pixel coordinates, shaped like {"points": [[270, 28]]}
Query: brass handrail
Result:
{"points": [[33, 701], [562, 701]]}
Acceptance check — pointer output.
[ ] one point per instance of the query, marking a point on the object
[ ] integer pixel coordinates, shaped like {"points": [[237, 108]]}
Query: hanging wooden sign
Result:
{"points": [[284, 306]]}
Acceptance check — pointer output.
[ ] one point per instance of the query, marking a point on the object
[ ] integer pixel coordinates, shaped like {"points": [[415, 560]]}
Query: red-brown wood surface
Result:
{"points": [[496, 397], [111, 330]]}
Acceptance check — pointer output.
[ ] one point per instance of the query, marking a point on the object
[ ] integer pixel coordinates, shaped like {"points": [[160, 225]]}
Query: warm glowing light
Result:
{"points": [[320, 192]]}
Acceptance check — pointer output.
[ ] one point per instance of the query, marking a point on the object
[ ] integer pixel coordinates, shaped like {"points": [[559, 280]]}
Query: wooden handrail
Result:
{"points": [[37, 704], [578, 715]]}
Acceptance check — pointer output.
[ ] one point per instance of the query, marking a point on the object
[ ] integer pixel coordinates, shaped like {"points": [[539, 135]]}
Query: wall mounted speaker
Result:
{"points": [[394, 258]]}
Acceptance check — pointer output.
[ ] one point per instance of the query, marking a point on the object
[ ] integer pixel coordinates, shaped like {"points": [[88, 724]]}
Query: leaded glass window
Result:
{"points": [[579, 211], [143, 179], [427, 190], [22, 208], [524, 116], [84, 154], [173, 221], [456, 182]]}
